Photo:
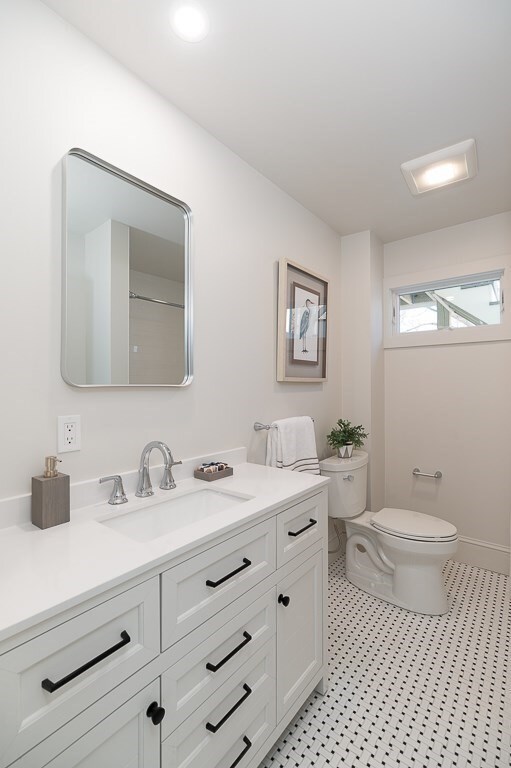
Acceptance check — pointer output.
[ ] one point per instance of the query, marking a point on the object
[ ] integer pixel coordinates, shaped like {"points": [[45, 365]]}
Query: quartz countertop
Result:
{"points": [[44, 572]]}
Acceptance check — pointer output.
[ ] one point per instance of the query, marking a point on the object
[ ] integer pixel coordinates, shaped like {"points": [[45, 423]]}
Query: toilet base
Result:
{"points": [[405, 573], [364, 574], [376, 589], [384, 592]]}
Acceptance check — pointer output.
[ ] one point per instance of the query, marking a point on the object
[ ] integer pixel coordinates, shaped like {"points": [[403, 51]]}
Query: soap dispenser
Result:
{"points": [[50, 496]]}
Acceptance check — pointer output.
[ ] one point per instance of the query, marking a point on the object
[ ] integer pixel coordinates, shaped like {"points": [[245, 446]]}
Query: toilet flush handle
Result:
{"points": [[348, 477]]}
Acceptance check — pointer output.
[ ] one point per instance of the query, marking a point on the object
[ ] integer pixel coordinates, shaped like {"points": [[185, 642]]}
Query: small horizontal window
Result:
{"points": [[467, 302], [451, 304]]}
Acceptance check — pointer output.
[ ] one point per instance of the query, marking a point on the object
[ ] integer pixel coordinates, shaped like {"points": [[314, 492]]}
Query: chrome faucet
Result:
{"points": [[144, 487]]}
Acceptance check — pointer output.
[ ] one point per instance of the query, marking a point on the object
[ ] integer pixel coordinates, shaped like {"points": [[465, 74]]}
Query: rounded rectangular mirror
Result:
{"points": [[126, 312]]}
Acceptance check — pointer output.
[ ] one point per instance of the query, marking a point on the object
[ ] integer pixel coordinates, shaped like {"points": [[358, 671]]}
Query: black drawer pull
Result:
{"points": [[305, 528], [242, 754], [246, 564], [284, 599], [215, 667], [214, 728], [51, 687]]}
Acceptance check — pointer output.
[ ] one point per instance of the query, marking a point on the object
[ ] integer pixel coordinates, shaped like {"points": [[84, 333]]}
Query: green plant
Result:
{"points": [[345, 432]]}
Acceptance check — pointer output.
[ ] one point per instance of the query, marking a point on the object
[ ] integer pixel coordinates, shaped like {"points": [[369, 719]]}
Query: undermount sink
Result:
{"points": [[164, 517]]}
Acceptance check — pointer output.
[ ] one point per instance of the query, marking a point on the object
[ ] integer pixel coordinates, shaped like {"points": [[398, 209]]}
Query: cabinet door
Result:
{"points": [[299, 631], [125, 739]]}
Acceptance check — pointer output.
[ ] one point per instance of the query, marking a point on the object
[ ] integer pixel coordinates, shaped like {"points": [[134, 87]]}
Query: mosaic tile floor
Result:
{"points": [[410, 690]]}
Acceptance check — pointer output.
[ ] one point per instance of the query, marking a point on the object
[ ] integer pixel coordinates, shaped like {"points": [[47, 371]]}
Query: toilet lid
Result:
{"points": [[413, 525]]}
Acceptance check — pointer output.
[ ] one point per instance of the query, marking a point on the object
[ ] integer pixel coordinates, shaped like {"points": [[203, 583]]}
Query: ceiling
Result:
{"points": [[328, 97]]}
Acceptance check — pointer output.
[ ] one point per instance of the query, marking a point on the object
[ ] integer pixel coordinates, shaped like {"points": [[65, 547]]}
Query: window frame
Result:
{"points": [[412, 282]]}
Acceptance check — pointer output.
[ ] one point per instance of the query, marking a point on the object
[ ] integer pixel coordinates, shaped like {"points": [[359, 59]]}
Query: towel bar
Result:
{"points": [[258, 426]]}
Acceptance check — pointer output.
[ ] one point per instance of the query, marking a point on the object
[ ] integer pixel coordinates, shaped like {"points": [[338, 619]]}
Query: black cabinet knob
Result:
{"points": [[155, 712], [285, 600]]}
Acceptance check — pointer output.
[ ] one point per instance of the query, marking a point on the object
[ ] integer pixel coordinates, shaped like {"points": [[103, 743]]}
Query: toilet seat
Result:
{"points": [[417, 526]]}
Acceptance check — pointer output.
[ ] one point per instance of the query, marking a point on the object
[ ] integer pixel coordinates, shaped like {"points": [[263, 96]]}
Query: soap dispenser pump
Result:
{"points": [[50, 496]]}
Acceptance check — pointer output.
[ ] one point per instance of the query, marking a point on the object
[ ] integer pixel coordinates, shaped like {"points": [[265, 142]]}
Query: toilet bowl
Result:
{"points": [[394, 554]]}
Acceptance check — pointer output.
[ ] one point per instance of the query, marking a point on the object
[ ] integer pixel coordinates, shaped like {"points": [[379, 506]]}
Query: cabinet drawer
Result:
{"points": [[300, 526], [239, 718], [48, 680], [189, 682], [200, 587]]}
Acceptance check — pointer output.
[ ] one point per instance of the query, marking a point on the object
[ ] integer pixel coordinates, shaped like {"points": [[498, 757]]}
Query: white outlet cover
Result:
{"points": [[69, 434]]}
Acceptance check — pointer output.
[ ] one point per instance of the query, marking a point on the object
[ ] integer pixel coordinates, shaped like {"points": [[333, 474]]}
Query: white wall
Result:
{"points": [[79, 298], [156, 332], [377, 426], [362, 350], [105, 275], [449, 408], [119, 301], [60, 91]]}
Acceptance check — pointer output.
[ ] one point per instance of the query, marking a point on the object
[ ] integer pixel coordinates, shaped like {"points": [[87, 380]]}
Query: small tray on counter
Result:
{"points": [[210, 476]]}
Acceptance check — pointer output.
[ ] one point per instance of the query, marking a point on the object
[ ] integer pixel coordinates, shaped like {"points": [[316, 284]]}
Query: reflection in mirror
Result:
{"points": [[126, 286]]}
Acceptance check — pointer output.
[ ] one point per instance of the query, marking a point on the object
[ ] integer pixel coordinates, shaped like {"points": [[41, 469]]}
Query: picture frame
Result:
{"points": [[302, 324]]}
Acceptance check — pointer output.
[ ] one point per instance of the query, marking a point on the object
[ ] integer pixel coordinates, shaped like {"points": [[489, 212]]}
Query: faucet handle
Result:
{"points": [[167, 480], [117, 496]]}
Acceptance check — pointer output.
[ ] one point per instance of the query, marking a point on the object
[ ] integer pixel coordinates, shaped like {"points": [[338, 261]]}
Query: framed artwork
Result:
{"points": [[302, 324]]}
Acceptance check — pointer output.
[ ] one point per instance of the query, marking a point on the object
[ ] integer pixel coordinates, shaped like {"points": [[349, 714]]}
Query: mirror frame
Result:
{"points": [[188, 297]]}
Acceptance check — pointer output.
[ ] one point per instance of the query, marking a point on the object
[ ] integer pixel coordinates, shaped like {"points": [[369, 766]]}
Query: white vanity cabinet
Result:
{"points": [[229, 641], [259, 656]]}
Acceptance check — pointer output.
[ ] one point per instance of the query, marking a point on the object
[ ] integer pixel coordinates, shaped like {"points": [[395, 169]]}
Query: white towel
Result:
{"points": [[292, 445]]}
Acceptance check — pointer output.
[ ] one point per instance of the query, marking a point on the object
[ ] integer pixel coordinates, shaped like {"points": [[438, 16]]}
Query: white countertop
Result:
{"points": [[45, 572]]}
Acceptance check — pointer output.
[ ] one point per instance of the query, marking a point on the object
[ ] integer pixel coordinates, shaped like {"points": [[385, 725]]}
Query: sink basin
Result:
{"points": [[160, 519]]}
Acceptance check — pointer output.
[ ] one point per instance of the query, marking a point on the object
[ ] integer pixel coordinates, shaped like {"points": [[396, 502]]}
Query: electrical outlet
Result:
{"points": [[69, 433]]}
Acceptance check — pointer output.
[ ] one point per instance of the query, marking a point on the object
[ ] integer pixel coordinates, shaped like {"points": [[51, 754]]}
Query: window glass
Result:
{"points": [[463, 304]]}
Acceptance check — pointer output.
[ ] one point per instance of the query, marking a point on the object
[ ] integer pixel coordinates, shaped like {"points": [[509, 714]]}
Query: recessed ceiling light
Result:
{"points": [[438, 169], [440, 173], [189, 22]]}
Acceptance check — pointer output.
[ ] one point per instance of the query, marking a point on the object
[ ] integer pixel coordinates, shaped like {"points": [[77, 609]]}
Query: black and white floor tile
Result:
{"points": [[410, 691]]}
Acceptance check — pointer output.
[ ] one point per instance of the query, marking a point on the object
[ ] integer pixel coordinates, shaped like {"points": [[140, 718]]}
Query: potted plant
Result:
{"points": [[345, 436]]}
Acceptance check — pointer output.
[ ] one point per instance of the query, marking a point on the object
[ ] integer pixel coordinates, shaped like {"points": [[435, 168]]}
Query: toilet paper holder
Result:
{"points": [[436, 475]]}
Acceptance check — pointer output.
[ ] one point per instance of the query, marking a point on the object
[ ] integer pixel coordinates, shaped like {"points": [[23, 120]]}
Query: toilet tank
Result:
{"points": [[347, 492]]}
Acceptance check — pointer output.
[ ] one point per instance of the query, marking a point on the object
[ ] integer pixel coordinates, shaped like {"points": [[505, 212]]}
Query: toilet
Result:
{"points": [[394, 554]]}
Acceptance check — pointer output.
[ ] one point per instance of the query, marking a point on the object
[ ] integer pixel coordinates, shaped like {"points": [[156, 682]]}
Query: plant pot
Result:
{"points": [[345, 451]]}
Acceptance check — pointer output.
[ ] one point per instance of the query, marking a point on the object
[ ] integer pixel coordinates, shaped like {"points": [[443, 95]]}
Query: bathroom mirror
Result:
{"points": [[126, 318]]}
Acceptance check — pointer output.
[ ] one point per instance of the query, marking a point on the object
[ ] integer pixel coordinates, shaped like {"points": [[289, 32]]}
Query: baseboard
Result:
{"points": [[483, 554]]}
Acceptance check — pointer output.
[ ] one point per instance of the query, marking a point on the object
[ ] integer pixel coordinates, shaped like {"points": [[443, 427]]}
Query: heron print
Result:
{"points": [[305, 325]]}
